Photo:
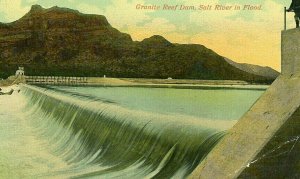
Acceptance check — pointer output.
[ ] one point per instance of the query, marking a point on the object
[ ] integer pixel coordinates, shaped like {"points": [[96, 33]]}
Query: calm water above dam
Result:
{"points": [[113, 132], [212, 104]]}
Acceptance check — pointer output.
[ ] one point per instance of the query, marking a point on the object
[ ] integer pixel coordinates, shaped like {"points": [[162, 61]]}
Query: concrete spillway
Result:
{"points": [[265, 143]]}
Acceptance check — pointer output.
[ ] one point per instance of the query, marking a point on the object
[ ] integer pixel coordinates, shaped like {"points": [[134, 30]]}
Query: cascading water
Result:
{"points": [[103, 140]]}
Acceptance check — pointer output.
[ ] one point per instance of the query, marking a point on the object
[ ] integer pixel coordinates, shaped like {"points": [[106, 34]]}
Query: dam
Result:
{"points": [[265, 141], [66, 131]]}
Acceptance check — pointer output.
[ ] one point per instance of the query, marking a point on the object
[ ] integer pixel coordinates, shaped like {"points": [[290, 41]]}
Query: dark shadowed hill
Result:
{"points": [[61, 41]]}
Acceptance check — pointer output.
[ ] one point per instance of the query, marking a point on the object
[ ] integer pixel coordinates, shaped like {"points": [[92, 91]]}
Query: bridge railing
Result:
{"points": [[67, 80]]}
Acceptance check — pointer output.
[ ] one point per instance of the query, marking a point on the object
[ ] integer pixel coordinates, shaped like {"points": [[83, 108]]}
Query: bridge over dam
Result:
{"points": [[265, 143]]}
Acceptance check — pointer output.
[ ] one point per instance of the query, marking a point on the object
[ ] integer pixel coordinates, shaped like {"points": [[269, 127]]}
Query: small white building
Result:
{"points": [[20, 71]]}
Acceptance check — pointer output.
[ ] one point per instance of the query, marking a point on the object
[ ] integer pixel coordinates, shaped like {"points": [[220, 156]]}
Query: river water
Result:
{"points": [[114, 132]]}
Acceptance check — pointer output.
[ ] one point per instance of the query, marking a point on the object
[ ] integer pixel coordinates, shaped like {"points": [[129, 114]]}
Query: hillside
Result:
{"points": [[61, 41], [255, 69]]}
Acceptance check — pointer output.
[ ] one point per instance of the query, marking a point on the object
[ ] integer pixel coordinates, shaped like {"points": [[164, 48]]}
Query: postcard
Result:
{"points": [[149, 89]]}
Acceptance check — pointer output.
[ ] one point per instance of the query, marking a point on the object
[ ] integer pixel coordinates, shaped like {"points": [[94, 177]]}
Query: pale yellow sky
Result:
{"points": [[240, 41], [250, 37]]}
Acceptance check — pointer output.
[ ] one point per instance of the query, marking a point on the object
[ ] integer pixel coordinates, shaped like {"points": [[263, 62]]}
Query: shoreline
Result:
{"points": [[173, 83], [175, 86], [153, 83]]}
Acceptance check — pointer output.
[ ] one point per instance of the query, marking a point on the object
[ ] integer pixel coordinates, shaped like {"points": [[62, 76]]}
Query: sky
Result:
{"points": [[244, 36]]}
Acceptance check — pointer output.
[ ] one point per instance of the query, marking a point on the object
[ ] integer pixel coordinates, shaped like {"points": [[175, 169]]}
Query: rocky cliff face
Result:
{"points": [[61, 41]]}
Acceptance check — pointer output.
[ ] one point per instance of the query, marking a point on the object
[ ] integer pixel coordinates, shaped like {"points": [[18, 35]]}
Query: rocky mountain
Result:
{"points": [[62, 41]]}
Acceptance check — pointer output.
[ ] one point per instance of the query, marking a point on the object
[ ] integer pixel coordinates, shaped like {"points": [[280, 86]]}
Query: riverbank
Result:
{"points": [[143, 82], [174, 83], [12, 80]]}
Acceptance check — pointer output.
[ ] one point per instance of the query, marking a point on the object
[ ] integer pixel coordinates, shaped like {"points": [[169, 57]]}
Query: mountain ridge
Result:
{"points": [[62, 41], [255, 69]]}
